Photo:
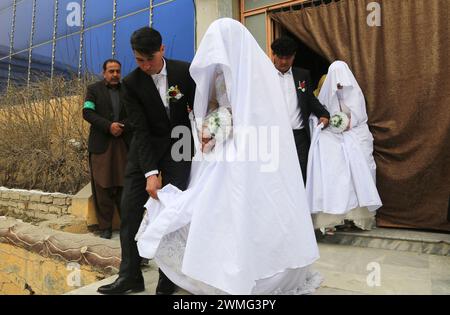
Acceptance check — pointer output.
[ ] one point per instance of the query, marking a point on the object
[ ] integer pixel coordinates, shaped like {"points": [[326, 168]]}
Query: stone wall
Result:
{"points": [[210, 10], [34, 204], [27, 273]]}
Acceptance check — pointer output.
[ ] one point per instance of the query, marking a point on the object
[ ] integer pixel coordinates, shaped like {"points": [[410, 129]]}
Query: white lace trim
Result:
{"points": [[361, 217], [309, 286], [171, 253]]}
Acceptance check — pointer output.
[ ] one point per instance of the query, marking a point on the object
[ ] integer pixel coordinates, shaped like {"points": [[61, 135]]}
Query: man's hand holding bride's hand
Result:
{"points": [[324, 120], [207, 140], [153, 185], [208, 144]]}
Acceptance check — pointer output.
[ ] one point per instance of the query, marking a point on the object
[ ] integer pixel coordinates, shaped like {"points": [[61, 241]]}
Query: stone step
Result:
{"points": [[393, 239]]}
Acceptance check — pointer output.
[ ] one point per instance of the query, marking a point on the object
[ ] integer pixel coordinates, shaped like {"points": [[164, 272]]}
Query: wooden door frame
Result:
{"points": [[270, 24]]}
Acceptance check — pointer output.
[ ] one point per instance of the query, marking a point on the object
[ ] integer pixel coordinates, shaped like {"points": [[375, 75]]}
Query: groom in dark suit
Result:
{"points": [[157, 95], [300, 100]]}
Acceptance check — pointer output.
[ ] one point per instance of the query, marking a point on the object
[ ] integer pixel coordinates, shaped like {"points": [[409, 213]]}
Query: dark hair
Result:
{"points": [[110, 60], [284, 46], [146, 40]]}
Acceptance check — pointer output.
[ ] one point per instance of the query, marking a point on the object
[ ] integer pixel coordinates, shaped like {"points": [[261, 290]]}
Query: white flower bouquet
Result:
{"points": [[339, 122], [218, 123]]}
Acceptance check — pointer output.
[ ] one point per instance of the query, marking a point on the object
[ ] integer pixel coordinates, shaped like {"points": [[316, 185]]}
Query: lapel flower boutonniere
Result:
{"points": [[174, 93], [302, 86]]}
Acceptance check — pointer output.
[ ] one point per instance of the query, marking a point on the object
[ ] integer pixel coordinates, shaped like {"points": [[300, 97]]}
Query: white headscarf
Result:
{"points": [[352, 96], [248, 72]]}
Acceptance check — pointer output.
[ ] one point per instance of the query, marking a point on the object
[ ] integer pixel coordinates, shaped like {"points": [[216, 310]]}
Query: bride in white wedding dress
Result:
{"points": [[243, 226], [341, 169]]}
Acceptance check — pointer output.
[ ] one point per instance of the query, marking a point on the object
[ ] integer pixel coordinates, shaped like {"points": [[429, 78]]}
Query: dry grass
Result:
{"points": [[43, 137]]}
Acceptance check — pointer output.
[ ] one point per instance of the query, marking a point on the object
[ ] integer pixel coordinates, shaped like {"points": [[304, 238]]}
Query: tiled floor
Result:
{"points": [[357, 270]]}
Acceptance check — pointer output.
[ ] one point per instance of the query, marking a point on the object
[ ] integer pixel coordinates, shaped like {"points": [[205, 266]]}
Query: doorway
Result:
{"points": [[306, 57]]}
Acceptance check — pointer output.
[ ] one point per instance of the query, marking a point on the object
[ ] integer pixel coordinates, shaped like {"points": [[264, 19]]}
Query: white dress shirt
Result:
{"points": [[290, 95], [160, 80]]}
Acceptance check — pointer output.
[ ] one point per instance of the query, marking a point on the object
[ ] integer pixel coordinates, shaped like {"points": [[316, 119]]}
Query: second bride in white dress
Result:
{"points": [[341, 169]]}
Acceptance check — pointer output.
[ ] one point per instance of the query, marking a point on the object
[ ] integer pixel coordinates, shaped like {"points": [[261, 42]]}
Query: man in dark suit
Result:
{"points": [[300, 100], [157, 96], [109, 138]]}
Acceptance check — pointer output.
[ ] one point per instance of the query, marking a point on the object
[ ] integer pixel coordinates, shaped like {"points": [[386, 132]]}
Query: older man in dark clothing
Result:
{"points": [[108, 143]]}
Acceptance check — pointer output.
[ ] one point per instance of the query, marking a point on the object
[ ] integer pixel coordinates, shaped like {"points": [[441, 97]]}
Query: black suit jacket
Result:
{"points": [[102, 117], [152, 127], [307, 101]]}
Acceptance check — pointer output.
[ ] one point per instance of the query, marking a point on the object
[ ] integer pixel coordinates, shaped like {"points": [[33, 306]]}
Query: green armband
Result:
{"points": [[89, 105]]}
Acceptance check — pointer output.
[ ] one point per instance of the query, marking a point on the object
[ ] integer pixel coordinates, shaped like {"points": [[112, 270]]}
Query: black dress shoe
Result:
{"points": [[122, 286], [165, 286], [106, 233]]}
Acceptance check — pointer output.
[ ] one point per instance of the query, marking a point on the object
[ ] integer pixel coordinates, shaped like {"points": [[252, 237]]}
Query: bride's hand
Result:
{"points": [[207, 140], [208, 144]]}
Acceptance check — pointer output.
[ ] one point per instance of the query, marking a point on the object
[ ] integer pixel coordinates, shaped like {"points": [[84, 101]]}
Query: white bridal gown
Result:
{"points": [[341, 168], [243, 226]]}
